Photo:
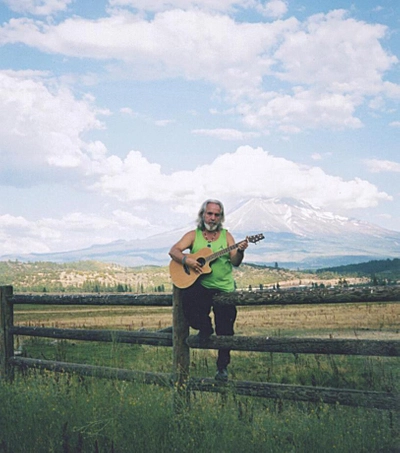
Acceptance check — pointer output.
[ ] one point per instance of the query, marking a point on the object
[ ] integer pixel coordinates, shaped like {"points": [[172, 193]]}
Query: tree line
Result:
{"points": [[368, 268]]}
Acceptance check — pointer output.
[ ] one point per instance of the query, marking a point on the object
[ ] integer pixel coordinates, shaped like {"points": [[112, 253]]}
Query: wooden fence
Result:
{"points": [[181, 342]]}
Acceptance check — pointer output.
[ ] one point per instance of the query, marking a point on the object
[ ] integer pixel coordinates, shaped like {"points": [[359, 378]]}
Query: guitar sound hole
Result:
{"points": [[201, 261]]}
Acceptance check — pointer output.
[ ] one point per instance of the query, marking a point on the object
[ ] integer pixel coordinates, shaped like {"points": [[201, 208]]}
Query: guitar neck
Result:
{"points": [[216, 255]]}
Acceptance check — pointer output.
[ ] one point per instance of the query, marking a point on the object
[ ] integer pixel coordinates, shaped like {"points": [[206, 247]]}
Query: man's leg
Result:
{"points": [[225, 316], [197, 301]]}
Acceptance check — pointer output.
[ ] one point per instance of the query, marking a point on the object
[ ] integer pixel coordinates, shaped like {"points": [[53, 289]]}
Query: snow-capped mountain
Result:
{"points": [[297, 235], [288, 215], [300, 235]]}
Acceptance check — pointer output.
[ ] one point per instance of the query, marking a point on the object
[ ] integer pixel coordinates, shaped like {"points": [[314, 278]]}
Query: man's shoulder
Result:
{"points": [[190, 234]]}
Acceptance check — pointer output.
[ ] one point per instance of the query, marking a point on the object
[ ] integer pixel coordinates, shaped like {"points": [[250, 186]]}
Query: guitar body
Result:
{"points": [[183, 278]]}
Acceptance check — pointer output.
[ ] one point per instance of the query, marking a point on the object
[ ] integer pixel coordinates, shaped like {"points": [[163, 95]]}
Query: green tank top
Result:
{"points": [[221, 276]]}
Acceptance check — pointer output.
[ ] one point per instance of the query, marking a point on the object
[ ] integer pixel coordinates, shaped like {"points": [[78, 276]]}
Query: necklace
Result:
{"points": [[214, 235]]}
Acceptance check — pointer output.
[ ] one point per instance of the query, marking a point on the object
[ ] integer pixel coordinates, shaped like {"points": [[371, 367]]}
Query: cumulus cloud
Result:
{"points": [[41, 127], [335, 51], [379, 166], [37, 7], [273, 8], [331, 64], [281, 75], [17, 233], [167, 201], [69, 232], [316, 156], [210, 5], [136, 179], [303, 109]]}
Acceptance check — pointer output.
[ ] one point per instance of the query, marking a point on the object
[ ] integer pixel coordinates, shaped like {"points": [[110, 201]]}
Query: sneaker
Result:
{"points": [[222, 375]]}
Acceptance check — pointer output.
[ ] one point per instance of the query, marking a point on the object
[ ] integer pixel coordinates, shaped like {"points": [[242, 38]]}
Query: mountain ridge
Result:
{"points": [[297, 235]]}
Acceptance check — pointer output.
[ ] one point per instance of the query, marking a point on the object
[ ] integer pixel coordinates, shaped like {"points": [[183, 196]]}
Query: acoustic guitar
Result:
{"points": [[183, 277]]}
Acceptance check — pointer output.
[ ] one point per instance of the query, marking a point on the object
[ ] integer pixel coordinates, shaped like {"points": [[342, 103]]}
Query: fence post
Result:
{"points": [[181, 351], [6, 339]]}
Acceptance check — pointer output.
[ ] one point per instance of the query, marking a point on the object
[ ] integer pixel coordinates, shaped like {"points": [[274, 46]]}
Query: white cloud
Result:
{"points": [[394, 124], [133, 178], [136, 179], [41, 126], [163, 5], [154, 202], [226, 134], [69, 232], [379, 166], [128, 220], [331, 64], [304, 109], [38, 7], [316, 156], [273, 8], [335, 52], [17, 233], [146, 118]]}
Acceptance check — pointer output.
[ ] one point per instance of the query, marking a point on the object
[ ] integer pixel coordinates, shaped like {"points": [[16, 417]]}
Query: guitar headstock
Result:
{"points": [[255, 238]]}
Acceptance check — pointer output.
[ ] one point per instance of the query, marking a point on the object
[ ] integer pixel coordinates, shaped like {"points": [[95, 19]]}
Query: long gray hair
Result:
{"points": [[200, 215]]}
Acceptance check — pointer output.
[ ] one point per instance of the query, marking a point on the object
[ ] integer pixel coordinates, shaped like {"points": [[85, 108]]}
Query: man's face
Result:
{"points": [[212, 217]]}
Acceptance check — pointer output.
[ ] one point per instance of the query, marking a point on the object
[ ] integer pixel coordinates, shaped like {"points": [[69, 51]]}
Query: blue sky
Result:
{"points": [[119, 117]]}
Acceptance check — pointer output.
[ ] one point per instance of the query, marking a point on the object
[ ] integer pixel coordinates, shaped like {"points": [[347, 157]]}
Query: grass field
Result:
{"points": [[369, 320], [43, 412]]}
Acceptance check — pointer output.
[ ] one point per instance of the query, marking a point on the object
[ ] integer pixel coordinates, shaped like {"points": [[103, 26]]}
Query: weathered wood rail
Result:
{"points": [[314, 296], [181, 342]]}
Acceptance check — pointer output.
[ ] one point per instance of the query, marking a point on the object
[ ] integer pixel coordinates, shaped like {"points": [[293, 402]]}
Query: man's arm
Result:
{"points": [[176, 252], [236, 255]]}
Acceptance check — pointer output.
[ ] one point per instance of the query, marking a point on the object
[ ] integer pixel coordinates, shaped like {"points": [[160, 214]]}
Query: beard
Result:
{"points": [[211, 226]]}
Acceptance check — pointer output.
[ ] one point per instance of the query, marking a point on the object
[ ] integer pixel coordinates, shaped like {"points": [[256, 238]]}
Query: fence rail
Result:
{"points": [[162, 300], [181, 342]]}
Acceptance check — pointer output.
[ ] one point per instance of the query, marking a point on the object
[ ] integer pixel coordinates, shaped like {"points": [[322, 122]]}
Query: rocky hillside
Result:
{"points": [[83, 276], [92, 276]]}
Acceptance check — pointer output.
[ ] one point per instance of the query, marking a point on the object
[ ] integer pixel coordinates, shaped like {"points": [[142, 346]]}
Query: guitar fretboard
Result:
{"points": [[216, 255]]}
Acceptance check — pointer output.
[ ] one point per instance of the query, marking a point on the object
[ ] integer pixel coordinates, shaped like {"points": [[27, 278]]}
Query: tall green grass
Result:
{"points": [[42, 412], [47, 412], [338, 371]]}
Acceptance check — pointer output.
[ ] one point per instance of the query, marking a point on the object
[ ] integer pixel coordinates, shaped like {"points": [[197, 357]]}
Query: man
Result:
{"points": [[197, 300]]}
